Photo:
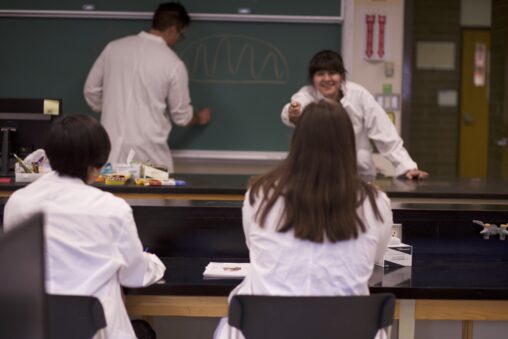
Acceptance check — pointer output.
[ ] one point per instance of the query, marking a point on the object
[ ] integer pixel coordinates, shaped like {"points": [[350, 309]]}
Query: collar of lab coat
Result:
{"points": [[146, 35], [55, 177]]}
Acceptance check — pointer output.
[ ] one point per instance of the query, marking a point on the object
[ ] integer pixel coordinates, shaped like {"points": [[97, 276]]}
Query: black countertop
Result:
{"points": [[436, 188], [428, 278]]}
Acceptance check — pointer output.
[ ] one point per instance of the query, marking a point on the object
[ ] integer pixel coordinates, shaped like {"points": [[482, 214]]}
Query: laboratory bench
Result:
{"points": [[456, 273], [233, 187]]}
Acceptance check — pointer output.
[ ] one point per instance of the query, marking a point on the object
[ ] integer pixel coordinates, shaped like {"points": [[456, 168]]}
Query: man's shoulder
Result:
{"points": [[128, 41], [148, 44]]}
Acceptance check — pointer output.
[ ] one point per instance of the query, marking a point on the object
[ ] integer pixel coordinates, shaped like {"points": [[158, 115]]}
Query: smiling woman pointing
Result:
{"points": [[327, 76]]}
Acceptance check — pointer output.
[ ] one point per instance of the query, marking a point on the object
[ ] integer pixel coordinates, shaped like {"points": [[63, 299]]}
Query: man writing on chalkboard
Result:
{"points": [[141, 86]]}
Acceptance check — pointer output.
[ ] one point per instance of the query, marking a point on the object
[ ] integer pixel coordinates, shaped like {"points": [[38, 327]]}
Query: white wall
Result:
{"points": [[371, 74]]}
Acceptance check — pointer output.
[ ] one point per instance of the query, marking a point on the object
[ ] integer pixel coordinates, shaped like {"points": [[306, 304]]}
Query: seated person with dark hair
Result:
{"points": [[92, 244]]}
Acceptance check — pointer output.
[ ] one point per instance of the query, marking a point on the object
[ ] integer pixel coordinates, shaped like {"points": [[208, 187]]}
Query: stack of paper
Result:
{"points": [[226, 270]]}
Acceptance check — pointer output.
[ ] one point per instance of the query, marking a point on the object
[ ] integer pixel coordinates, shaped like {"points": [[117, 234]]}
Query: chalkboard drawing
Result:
{"points": [[234, 59]]}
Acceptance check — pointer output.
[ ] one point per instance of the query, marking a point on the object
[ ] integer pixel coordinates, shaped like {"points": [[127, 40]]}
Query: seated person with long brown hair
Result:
{"points": [[312, 226]]}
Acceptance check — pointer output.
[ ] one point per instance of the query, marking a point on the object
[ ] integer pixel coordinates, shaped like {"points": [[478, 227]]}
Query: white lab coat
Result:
{"points": [[286, 266], [370, 122], [92, 245], [140, 85]]}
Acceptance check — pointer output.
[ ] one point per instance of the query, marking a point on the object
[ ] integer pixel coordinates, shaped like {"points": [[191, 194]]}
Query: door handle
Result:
{"points": [[468, 119]]}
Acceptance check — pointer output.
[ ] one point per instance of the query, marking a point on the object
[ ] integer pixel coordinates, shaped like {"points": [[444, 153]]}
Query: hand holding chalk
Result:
{"points": [[294, 111]]}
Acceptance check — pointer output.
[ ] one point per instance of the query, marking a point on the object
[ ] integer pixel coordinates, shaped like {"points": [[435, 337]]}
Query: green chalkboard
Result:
{"points": [[244, 71], [268, 7]]}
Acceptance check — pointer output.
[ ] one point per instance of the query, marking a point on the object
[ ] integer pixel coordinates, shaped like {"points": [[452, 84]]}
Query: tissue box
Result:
{"points": [[399, 255], [132, 169]]}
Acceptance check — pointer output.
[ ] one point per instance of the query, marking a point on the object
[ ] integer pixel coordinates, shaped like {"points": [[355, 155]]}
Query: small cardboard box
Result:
{"points": [[391, 277], [154, 173], [398, 255]]}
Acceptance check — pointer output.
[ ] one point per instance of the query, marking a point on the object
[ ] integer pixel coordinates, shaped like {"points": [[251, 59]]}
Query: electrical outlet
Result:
{"points": [[397, 231]]}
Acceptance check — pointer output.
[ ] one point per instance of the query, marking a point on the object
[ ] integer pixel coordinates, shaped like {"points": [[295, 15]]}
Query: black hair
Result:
{"points": [[170, 14], [75, 143], [327, 60]]}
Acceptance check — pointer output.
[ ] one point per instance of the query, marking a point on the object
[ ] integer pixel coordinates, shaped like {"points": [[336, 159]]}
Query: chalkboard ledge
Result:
{"points": [[228, 155]]}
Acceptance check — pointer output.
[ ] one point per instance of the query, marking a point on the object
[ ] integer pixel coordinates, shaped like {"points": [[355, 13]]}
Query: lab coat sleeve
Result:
{"points": [[304, 97], [140, 268], [179, 102], [17, 210], [94, 83], [385, 228], [247, 216], [12, 215], [382, 131]]}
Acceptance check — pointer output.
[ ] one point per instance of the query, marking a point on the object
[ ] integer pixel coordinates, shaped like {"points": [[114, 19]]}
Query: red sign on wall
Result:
{"points": [[375, 37]]}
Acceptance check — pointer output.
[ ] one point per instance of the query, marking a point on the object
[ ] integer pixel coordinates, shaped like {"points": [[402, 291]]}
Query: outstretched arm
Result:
{"points": [[416, 174], [201, 118], [382, 131], [291, 112]]}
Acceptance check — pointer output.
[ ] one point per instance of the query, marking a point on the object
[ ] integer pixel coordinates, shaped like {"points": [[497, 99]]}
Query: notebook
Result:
{"points": [[226, 270]]}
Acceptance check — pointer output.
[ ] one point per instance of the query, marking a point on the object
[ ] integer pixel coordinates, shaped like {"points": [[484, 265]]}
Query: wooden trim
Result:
{"points": [[165, 196], [5, 194], [462, 310], [467, 329], [175, 196], [207, 306], [186, 306]]}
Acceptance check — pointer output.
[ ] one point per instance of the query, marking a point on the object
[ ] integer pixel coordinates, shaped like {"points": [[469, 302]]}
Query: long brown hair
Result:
{"points": [[318, 180]]}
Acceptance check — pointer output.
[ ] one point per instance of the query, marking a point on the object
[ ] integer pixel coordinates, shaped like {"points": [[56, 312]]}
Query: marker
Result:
{"points": [[22, 164]]}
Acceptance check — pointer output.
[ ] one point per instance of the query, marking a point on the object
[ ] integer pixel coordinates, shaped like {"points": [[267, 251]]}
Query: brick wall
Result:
{"points": [[498, 83], [433, 129]]}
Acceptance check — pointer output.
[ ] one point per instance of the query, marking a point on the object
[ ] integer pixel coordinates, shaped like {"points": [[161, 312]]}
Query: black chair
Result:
{"points": [[351, 317], [76, 317], [23, 298]]}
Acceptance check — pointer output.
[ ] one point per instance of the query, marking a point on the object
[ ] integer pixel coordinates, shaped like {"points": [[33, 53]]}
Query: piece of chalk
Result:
{"points": [[180, 183]]}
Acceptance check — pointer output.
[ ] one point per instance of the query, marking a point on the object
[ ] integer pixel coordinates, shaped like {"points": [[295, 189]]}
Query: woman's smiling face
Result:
{"points": [[327, 83]]}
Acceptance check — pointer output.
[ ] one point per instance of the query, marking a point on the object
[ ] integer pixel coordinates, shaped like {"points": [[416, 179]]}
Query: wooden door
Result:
{"points": [[474, 104]]}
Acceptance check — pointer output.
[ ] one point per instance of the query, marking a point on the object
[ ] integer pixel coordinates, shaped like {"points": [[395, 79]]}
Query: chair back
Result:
{"points": [[74, 316], [277, 317], [22, 291]]}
